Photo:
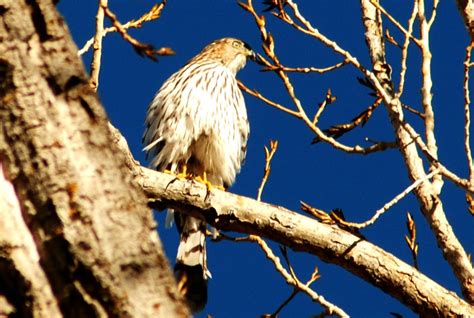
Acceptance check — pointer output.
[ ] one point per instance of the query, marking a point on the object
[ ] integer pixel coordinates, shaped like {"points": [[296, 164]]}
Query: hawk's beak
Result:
{"points": [[252, 55], [256, 58]]}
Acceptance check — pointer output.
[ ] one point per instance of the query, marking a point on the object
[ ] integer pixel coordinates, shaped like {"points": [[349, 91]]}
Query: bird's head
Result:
{"points": [[231, 52]]}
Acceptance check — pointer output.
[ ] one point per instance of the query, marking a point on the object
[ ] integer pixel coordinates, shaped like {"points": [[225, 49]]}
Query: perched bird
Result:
{"points": [[197, 125]]}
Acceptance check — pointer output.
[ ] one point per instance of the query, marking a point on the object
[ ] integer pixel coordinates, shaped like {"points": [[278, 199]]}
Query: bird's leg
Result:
{"points": [[206, 182]]}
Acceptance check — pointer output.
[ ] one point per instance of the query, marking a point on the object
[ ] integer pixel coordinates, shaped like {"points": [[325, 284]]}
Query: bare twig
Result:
{"points": [[403, 63], [466, 8], [329, 99], [391, 39], [141, 48], [433, 13], [153, 14], [445, 172], [467, 113], [414, 111], [286, 302], [389, 204], [293, 280], [97, 56], [266, 172], [289, 276], [306, 69], [256, 94]]}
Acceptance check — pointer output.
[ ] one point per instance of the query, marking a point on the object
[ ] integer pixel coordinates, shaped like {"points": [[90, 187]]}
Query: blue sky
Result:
{"points": [[244, 283]]}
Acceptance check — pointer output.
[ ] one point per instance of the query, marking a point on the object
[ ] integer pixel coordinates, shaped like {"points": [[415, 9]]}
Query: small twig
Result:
{"points": [[256, 94], [467, 113], [266, 172], [296, 291], [389, 204], [413, 111], [391, 39], [329, 99], [306, 69], [97, 56], [284, 252], [411, 239], [331, 308], [286, 302], [141, 48], [433, 14], [290, 278], [269, 153], [403, 63]]}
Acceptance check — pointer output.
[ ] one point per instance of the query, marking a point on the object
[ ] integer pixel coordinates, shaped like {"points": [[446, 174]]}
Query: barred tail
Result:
{"points": [[191, 266]]}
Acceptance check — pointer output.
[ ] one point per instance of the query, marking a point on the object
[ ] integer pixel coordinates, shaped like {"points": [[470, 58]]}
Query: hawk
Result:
{"points": [[197, 125]]}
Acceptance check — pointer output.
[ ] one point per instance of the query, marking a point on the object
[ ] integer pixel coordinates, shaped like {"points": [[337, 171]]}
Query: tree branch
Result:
{"points": [[428, 192], [230, 212]]}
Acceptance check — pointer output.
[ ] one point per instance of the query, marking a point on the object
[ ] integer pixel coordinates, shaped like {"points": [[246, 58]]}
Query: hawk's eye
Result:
{"points": [[236, 44]]}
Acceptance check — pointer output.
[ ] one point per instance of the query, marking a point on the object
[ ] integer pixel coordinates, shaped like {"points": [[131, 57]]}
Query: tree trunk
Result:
{"points": [[76, 236]]}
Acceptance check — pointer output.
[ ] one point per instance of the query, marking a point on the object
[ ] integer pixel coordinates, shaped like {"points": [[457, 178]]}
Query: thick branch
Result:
{"points": [[231, 212]]}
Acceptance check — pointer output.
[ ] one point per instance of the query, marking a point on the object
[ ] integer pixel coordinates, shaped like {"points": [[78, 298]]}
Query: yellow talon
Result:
{"points": [[207, 183], [183, 174]]}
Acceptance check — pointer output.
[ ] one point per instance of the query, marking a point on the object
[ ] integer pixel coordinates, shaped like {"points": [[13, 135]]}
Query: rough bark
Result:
{"points": [[76, 238]]}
